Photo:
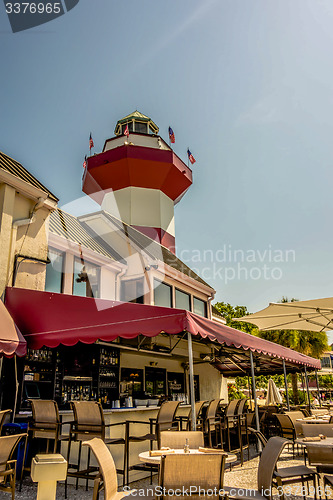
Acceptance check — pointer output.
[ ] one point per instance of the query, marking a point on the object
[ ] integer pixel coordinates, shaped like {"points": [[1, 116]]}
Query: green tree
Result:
{"points": [[310, 343]]}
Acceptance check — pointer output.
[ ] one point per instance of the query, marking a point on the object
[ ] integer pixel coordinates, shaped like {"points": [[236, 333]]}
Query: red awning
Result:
{"points": [[11, 339], [50, 319]]}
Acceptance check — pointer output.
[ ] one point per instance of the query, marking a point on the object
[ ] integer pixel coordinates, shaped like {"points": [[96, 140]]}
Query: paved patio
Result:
{"points": [[242, 477]]}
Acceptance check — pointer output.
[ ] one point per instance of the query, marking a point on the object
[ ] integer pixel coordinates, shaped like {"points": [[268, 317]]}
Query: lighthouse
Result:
{"points": [[138, 178]]}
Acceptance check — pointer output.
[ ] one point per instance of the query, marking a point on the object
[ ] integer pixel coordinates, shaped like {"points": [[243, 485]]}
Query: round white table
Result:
{"points": [[144, 456]]}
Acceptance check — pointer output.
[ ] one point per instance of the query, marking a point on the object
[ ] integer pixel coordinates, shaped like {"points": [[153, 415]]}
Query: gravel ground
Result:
{"points": [[241, 476]]}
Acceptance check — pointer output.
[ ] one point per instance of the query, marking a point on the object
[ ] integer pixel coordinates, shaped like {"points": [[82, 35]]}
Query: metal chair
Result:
{"points": [[107, 477], [8, 445], [166, 420], [3, 416], [243, 429], [185, 471], [269, 475], [45, 424], [88, 424], [231, 426], [176, 440], [198, 414], [212, 424], [287, 428]]}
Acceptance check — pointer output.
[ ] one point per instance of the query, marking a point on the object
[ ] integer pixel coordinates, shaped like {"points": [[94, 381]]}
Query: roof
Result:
{"points": [[155, 249], [15, 168], [51, 319], [216, 312], [69, 227], [136, 115]]}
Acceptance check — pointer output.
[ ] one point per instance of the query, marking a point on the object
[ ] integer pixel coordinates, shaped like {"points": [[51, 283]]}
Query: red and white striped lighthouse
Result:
{"points": [[139, 178]]}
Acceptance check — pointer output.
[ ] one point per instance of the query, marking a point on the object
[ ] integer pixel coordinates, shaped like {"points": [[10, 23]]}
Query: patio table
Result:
{"points": [[313, 420], [144, 456], [327, 442]]}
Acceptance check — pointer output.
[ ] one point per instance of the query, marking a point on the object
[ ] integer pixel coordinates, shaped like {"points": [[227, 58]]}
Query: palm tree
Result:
{"points": [[310, 343]]}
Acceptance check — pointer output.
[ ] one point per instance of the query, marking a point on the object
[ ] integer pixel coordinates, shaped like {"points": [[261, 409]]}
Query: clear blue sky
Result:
{"points": [[247, 85]]}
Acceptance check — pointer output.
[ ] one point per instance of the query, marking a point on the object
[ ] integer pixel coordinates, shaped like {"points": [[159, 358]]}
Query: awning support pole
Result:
{"points": [[319, 395], [190, 364], [286, 383], [254, 393], [307, 388]]}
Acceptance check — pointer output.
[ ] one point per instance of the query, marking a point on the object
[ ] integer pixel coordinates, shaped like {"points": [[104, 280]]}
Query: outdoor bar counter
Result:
{"points": [[115, 416]]}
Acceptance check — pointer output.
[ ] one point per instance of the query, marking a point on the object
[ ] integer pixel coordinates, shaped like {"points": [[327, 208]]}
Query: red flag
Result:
{"points": [[91, 142], [126, 131], [85, 162]]}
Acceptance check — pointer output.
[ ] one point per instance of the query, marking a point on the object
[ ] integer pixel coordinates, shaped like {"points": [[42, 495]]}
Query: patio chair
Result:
{"points": [[244, 434], [231, 426], [260, 438], [8, 445], [177, 440], [185, 420], [287, 428], [88, 424], [107, 477], [3, 415], [212, 424], [192, 471], [164, 421], [199, 405], [294, 416], [45, 425], [328, 482], [320, 457], [269, 475], [310, 430], [286, 475]]}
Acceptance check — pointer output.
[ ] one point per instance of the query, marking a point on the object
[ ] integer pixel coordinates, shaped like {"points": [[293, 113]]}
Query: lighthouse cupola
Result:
{"points": [[138, 178]]}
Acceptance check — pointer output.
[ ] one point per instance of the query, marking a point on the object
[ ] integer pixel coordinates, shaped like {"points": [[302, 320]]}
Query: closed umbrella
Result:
{"points": [[313, 315], [273, 394]]}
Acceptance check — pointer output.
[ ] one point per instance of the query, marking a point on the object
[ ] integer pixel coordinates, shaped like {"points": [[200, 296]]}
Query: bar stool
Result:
{"points": [[212, 423], [165, 421], [88, 423], [198, 413], [45, 424]]}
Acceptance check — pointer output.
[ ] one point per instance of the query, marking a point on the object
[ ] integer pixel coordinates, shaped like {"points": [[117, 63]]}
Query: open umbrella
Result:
{"points": [[313, 315], [273, 395]]}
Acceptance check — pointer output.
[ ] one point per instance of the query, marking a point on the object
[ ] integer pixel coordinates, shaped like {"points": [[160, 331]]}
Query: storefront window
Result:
{"points": [[162, 294], [183, 300], [199, 307], [132, 291], [86, 279], [54, 272]]}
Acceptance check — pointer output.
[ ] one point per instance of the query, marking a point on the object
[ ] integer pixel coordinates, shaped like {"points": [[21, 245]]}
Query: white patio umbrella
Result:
{"points": [[273, 395], [313, 315]]}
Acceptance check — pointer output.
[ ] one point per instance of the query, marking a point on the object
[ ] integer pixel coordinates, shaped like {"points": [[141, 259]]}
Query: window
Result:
{"points": [[200, 307], [86, 279], [132, 291], [141, 128], [54, 272], [183, 300], [325, 362], [162, 294], [130, 127]]}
